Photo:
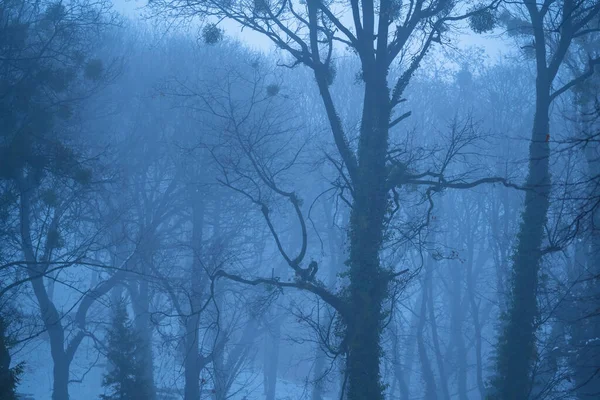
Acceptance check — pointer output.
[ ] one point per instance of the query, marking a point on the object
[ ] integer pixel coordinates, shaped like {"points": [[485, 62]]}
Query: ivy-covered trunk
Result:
{"points": [[516, 349], [368, 283]]}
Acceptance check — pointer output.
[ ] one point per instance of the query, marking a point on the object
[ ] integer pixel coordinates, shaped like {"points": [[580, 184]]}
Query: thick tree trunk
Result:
{"points": [[60, 389], [368, 283], [500, 226], [367, 291], [516, 350], [191, 390]]}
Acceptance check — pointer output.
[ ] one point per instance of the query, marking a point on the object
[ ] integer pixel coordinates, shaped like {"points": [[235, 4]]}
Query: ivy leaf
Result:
{"points": [[49, 197]]}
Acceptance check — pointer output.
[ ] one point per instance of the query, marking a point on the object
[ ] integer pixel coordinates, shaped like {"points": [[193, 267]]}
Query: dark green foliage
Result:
{"points": [[54, 239], [359, 77], [9, 377], [395, 10], [37, 92], [261, 6], [55, 12], [125, 380], [212, 34], [272, 90], [483, 21], [331, 73]]}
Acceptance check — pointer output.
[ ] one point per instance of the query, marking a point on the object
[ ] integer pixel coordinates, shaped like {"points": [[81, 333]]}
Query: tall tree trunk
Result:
{"points": [[516, 350], [192, 363], [145, 330], [60, 375], [426, 370], [456, 327], [474, 310], [335, 248], [49, 313], [271, 361], [439, 357], [410, 344], [368, 282], [401, 372], [319, 379]]}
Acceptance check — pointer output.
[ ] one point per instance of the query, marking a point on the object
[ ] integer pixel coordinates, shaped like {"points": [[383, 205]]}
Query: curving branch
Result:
{"points": [[334, 301]]}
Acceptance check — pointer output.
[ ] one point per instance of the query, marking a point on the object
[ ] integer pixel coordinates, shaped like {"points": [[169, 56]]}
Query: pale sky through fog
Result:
{"points": [[134, 9]]}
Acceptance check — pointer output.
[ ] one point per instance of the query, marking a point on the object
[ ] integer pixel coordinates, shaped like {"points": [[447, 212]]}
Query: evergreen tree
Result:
{"points": [[125, 380], [9, 377]]}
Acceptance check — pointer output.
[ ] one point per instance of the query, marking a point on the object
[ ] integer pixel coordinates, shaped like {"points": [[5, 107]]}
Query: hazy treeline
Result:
{"points": [[344, 217]]}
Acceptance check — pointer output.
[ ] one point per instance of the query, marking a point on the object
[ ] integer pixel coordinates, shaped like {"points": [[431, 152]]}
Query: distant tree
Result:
{"points": [[125, 380], [48, 67], [580, 311]]}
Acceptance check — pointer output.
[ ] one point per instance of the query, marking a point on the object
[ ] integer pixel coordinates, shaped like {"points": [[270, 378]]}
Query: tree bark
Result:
{"points": [[335, 248], [50, 315], [517, 343], [474, 310], [144, 328], [60, 375], [456, 327], [271, 361], [191, 341], [368, 283], [430, 392]]}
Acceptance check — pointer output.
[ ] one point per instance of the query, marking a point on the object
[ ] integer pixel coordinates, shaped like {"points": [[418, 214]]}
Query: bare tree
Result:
{"points": [[380, 34]]}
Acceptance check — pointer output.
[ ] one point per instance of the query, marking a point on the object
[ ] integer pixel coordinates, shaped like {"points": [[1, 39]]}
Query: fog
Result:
{"points": [[299, 200]]}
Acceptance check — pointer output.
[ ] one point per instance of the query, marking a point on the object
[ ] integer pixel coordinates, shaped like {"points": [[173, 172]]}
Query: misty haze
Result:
{"points": [[299, 200]]}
